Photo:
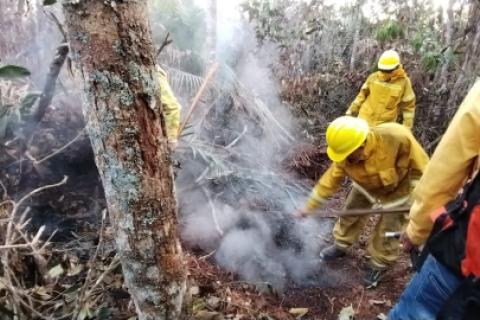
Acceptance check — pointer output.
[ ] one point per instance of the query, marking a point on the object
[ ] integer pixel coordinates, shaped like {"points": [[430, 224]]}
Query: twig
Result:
{"points": [[214, 213], [231, 144], [38, 190], [53, 154], [431, 144], [197, 97], [208, 255], [165, 43], [5, 192], [361, 300], [57, 22]]}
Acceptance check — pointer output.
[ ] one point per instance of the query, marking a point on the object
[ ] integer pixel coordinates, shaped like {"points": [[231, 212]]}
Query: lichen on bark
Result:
{"points": [[113, 51]]}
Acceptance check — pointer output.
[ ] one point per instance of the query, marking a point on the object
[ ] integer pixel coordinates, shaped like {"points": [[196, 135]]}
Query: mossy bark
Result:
{"points": [[112, 47]]}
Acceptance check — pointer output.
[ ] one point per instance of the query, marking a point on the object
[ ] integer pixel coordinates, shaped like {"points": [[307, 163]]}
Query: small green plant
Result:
{"points": [[431, 60], [388, 31], [417, 41]]}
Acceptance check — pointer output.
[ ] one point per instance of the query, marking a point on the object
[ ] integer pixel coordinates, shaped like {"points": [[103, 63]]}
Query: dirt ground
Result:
{"points": [[241, 301], [324, 303]]}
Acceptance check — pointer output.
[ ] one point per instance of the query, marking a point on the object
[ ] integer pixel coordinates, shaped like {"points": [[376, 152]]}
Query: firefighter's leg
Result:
{"points": [[347, 229], [385, 251]]}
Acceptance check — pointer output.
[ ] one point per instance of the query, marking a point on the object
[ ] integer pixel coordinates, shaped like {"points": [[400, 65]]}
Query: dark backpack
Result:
{"points": [[455, 242]]}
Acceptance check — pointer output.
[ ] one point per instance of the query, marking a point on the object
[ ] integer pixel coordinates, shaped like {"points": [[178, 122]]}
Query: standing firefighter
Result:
{"points": [[386, 93], [448, 284], [171, 108], [383, 162]]}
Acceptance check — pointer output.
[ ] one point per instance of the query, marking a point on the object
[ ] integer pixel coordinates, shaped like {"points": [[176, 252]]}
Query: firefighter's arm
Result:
{"points": [[450, 166], [407, 105], [328, 184], [171, 107], [354, 108]]}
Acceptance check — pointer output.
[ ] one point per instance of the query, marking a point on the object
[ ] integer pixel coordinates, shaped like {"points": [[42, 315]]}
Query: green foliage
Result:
{"points": [[28, 101], [13, 72], [268, 15], [417, 41], [388, 31], [49, 2], [9, 118], [431, 60], [184, 20], [449, 56]]}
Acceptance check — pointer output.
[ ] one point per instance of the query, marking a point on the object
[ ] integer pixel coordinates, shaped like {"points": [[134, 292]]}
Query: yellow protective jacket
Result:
{"points": [[392, 159], [171, 107], [383, 96], [451, 164]]}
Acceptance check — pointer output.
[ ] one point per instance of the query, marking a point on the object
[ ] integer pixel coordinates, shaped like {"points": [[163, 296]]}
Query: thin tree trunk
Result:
{"points": [[47, 93], [111, 45], [211, 41], [356, 35], [448, 43], [473, 38]]}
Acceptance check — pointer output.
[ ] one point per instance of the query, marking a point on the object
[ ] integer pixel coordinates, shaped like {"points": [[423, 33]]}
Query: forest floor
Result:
{"points": [[239, 300], [87, 275]]}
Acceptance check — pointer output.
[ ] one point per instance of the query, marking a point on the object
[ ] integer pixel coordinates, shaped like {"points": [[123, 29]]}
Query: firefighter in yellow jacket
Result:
{"points": [[386, 93], [384, 163], [171, 108], [455, 160]]}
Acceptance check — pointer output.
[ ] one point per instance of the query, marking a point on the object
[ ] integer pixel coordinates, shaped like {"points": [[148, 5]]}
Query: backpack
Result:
{"points": [[455, 242]]}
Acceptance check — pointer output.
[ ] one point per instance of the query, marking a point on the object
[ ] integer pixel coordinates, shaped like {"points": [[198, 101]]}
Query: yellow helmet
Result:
{"points": [[389, 60], [344, 135]]}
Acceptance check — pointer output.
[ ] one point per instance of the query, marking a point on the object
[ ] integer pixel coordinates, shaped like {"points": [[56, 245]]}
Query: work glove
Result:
{"points": [[172, 144], [314, 203]]}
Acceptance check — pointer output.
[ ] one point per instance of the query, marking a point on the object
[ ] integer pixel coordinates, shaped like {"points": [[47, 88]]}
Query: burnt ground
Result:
{"points": [[75, 210], [241, 299]]}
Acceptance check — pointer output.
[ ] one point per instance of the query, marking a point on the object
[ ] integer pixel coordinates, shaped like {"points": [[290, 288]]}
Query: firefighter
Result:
{"points": [[386, 93], [383, 162], [441, 287], [171, 109]]}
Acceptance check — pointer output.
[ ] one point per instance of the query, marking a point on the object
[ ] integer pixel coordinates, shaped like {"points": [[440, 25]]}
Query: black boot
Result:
{"points": [[373, 276], [331, 252]]}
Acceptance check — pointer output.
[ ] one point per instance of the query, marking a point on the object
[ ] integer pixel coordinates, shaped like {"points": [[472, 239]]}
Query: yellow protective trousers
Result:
{"points": [[383, 251]]}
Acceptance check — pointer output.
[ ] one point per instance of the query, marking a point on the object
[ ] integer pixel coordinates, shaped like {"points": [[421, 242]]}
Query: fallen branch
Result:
{"points": [[197, 97]]}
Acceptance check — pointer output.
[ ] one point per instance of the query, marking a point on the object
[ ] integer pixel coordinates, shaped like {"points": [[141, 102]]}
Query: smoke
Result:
{"points": [[235, 198]]}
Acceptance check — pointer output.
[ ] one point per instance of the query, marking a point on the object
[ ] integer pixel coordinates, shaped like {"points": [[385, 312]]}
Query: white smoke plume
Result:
{"points": [[235, 198]]}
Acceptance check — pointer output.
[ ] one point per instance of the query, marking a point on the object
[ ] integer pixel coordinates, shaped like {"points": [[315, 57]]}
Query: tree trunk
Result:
{"points": [[472, 38], [356, 36], [448, 43], [112, 47]]}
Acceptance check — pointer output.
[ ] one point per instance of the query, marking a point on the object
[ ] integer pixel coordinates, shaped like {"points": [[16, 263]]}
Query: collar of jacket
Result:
{"points": [[394, 75], [370, 145]]}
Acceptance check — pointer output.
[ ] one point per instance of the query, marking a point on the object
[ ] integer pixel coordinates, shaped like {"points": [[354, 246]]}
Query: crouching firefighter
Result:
{"points": [[384, 163], [447, 285]]}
